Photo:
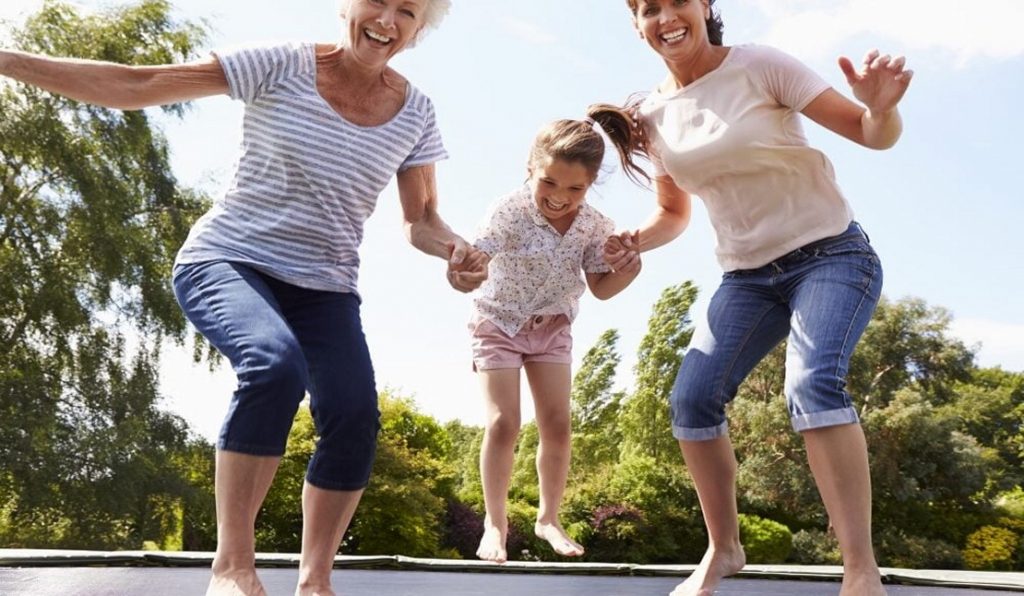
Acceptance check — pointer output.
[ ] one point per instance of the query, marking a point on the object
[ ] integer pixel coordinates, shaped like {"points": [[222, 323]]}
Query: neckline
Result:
{"points": [[730, 50], [341, 117]]}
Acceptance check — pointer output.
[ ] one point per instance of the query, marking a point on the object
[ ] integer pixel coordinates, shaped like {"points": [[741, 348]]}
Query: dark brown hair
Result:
{"points": [[578, 141], [715, 24]]}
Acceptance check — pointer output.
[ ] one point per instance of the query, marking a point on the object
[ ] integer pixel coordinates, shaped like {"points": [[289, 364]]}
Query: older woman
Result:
{"points": [[724, 124], [269, 274]]}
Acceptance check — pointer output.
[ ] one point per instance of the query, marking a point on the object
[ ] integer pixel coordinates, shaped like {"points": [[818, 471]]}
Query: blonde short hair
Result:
{"points": [[435, 12]]}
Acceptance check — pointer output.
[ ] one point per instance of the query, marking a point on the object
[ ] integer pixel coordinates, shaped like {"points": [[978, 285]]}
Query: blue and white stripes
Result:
{"points": [[307, 179]]}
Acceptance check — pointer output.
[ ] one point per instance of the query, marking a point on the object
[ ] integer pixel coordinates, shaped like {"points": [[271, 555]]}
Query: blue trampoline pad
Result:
{"points": [[169, 581]]}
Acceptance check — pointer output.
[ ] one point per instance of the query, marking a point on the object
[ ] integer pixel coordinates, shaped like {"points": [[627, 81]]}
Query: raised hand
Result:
{"points": [[881, 83]]}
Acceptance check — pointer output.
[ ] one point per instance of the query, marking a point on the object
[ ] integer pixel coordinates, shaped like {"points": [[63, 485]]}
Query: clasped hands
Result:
{"points": [[622, 252], [467, 266]]}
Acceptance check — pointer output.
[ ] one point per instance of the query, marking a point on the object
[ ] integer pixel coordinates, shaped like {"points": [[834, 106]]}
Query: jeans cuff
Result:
{"points": [[707, 433], [838, 417]]}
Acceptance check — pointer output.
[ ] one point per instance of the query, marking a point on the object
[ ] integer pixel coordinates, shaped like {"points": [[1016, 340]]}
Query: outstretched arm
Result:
{"points": [[879, 86], [417, 189], [116, 86]]}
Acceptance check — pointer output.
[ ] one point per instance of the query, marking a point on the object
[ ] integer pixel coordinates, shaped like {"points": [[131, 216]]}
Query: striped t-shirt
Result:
{"points": [[307, 179]]}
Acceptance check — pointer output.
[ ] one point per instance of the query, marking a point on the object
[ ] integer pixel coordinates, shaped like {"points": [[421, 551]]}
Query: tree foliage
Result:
{"points": [[645, 418], [90, 217]]}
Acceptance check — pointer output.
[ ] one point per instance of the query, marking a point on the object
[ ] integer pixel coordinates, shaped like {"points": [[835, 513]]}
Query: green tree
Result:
{"points": [[645, 420], [90, 217], [402, 508], [596, 407], [990, 408], [907, 342]]}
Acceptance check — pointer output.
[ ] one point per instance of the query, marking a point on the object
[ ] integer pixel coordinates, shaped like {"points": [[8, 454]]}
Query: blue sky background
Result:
{"points": [[943, 208]]}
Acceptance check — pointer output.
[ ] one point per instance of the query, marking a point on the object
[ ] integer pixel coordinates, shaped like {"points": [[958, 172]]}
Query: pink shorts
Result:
{"points": [[544, 338]]}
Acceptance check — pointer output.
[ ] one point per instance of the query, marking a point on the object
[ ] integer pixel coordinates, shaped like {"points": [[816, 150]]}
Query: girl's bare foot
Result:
{"points": [[715, 565], [236, 583], [558, 539], [492, 544]]}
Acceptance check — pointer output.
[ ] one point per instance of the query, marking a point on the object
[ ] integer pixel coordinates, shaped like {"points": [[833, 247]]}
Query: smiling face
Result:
{"points": [[379, 29], [676, 29], [559, 188]]}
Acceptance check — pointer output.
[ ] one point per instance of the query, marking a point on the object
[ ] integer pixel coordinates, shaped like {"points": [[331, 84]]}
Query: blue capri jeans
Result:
{"points": [[282, 341], [820, 297]]}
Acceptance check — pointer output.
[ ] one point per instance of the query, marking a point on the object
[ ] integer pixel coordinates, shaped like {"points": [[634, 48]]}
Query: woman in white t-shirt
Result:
{"points": [[724, 125], [269, 274]]}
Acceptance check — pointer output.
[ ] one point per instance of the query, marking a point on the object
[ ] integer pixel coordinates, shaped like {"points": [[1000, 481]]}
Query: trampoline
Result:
{"points": [[70, 573]]}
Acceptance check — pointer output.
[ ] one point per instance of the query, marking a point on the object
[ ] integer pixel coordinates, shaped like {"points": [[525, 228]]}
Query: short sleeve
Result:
{"points": [[429, 148], [252, 71], [593, 253], [789, 81]]}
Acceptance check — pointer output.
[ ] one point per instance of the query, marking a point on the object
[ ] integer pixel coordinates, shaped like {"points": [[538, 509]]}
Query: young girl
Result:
{"points": [[539, 238]]}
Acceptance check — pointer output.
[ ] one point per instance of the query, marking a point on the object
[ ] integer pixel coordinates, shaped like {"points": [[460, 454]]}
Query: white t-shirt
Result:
{"points": [[733, 137], [535, 270], [307, 179]]}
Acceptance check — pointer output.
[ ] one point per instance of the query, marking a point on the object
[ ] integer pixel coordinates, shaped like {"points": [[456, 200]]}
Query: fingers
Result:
{"points": [[631, 264], [459, 249], [471, 272], [846, 65], [880, 63], [870, 57]]}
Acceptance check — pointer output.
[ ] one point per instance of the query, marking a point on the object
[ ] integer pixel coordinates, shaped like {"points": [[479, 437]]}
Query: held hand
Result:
{"points": [[622, 252], [467, 266], [880, 85]]}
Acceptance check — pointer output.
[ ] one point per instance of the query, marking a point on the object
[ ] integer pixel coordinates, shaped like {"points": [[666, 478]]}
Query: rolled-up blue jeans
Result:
{"points": [[282, 341], [820, 297]]}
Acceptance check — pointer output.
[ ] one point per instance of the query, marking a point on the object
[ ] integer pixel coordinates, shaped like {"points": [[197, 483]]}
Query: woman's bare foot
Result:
{"points": [[864, 584], [558, 539], [715, 565], [236, 583], [314, 591], [492, 544]]}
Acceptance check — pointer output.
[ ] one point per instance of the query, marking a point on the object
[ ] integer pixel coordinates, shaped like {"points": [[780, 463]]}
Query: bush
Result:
{"points": [[764, 540], [522, 544], [814, 547], [895, 549], [616, 533], [462, 529], [991, 548], [1012, 503]]}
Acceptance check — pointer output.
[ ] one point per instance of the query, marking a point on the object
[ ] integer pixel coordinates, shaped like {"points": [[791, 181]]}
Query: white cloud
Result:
{"points": [[965, 30], [1001, 344]]}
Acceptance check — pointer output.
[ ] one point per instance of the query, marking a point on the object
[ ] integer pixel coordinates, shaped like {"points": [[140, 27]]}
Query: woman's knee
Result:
{"points": [[275, 367]]}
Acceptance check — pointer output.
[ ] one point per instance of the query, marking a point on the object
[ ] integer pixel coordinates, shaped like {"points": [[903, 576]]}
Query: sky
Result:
{"points": [[943, 208]]}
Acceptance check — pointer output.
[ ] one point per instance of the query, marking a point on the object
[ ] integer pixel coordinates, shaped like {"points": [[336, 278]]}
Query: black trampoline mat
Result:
{"points": [[168, 581]]}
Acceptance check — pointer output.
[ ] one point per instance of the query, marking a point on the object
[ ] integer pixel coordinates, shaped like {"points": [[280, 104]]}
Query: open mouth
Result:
{"points": [[377, 37], [674, 36], [556, 207]]}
